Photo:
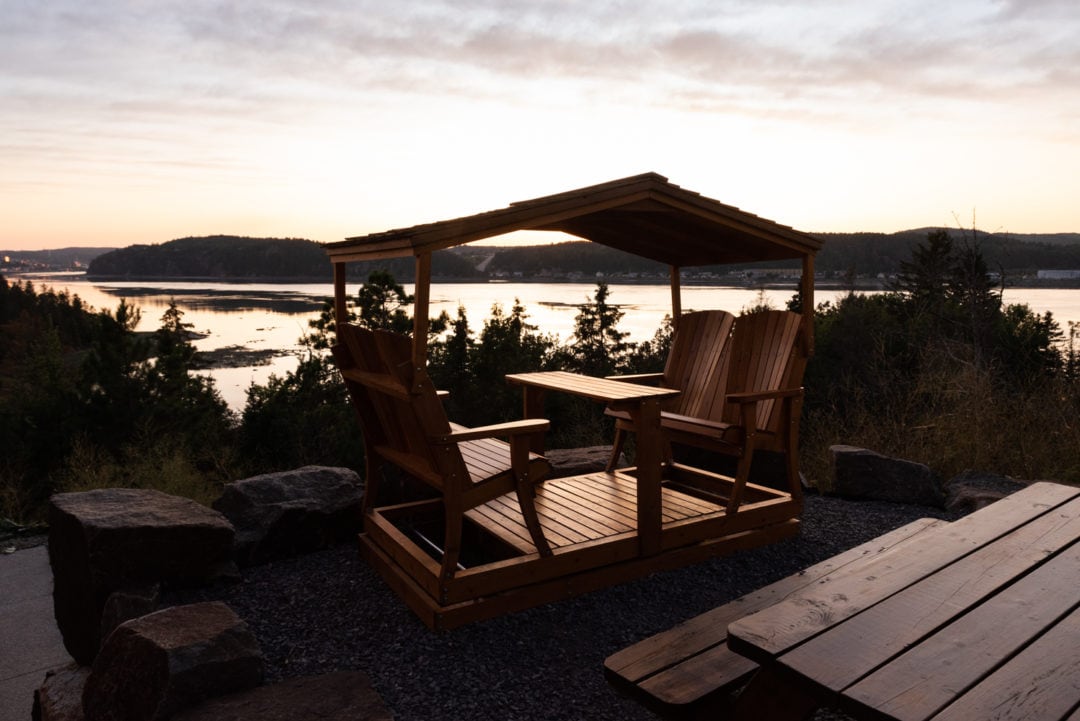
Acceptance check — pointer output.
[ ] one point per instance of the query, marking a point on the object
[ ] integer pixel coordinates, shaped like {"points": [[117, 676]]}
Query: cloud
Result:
{"points": [[265, 52], [179, 72]]}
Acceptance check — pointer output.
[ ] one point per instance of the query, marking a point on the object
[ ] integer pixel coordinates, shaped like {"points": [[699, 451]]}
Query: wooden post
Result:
{"points": [[422, 295], [533, 407], [676, 296], [649, 472], [806, 293], [341, 311]]}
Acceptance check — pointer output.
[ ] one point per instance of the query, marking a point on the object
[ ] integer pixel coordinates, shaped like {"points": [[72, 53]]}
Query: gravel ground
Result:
{"points": [[329, 611]]}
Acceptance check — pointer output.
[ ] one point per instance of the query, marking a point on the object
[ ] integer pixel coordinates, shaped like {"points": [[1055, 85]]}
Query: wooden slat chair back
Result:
{"points": [[695, 361], [760, 402], [696, 366], [754, 402], [762, 355], [405, 425]]}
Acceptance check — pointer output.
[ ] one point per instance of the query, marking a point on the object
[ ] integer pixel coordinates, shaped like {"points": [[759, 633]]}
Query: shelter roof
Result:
{"points": [[643, 214]]}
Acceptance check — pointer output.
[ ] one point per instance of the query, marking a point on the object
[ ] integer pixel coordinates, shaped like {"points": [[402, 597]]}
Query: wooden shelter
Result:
{"points": [[644, 214], [564, 536]]}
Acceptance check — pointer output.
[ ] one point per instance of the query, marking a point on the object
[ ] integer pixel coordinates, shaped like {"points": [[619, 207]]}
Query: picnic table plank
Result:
{"points": [[1042, 682], [679, 665], [841, 656], [794, 620], [916, 684]]}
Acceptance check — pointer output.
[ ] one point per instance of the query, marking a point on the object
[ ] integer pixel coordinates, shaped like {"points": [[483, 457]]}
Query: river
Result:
{"points": [[273, 316]]}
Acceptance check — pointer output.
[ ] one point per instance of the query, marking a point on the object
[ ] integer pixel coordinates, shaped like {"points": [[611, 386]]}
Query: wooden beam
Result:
{"points": [[676, 296], [422, 296], [806, 293], [341, 312]]}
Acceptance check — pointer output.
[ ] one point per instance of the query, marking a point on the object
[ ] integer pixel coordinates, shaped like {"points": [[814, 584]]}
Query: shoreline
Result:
{"points": [[766, 282]]}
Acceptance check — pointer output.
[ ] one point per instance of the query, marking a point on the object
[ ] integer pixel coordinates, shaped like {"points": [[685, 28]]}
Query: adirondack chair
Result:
{"points": [[754, 404], [697, 350], [404, 425]]}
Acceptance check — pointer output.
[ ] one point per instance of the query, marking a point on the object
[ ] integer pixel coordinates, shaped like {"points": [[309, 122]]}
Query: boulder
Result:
{"points": [[577, 461], [280, 514], [972, 490], [60, 696], [104, 540], [340, 696], [128, 603], [861, 473], [152, 667]]}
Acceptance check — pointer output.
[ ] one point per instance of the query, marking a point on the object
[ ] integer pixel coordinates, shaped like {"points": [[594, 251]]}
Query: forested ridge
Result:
{"points": [[232, 257], [853, 254]]}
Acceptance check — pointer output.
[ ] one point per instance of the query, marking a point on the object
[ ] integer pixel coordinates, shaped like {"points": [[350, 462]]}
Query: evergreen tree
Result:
{"points": [[508, 344], [450, 364], [599, 347], [927, 277], [382, 303]]}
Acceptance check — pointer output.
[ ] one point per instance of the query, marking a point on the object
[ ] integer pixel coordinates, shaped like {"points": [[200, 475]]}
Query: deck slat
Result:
{"points": [[583, 508]]}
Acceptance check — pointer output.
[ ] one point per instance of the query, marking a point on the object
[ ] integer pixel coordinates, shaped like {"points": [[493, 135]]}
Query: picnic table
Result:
{"points": [[976, 619]]}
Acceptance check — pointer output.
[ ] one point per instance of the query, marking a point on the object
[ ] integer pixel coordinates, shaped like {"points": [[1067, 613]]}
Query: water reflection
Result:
{"points": [[222, 301]]}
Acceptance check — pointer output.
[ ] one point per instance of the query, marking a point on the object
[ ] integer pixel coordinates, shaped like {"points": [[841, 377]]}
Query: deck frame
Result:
{"points": [[517, 577]]}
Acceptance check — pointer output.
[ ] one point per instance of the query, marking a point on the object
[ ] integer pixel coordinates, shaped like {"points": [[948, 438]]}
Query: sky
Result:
{"points": [[126, 122]]}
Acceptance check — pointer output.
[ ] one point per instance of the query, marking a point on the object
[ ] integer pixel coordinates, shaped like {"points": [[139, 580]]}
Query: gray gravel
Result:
{"points": [[329, 611]]}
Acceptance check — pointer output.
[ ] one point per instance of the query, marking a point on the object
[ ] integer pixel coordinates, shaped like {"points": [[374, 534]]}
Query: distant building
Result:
{"points": [[1059, 274]]}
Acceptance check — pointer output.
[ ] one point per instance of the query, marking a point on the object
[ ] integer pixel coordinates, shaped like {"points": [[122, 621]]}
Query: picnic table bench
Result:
{"points": [[975, 619]]}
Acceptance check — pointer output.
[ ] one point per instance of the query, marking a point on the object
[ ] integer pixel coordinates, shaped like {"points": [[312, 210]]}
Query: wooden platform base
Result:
{"points": [[589, 521]]}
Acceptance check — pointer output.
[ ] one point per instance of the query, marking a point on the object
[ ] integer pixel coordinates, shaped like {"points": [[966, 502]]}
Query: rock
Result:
{"points": [[577, 461], [972, 490], [152, 667], [104, 540], [60, 696], [341, 696], [860, 473], [128, 603], [281, 514]]}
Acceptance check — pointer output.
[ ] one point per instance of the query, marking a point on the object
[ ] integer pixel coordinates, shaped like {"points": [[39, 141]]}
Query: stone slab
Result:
{"points": [[104, 540]]}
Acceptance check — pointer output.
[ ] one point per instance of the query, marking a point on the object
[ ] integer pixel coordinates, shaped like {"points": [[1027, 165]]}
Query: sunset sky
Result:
{"points": [[128, 122]]}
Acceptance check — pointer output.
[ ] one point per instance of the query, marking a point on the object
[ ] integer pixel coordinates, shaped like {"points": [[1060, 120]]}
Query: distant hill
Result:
{"points": [[49, 260], [863, 254], [1017, 255], [866, 255], [239, 258]]}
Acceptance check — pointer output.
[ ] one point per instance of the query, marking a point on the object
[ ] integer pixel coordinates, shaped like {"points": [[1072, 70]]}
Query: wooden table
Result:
{"points": [[978, 619], [643, 404]]}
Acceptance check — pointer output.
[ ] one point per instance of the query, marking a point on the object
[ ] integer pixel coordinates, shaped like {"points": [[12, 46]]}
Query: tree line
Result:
{"points": [[856, 254], [238, 258], [937, 370]]}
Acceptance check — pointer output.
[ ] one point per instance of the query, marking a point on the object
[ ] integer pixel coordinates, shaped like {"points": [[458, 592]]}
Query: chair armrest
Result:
{"points": [[497, 430], [637, 378], [755, 396]]}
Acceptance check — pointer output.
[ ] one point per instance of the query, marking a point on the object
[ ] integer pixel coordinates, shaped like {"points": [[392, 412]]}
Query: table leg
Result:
{"points": [[534, 408], [772, 696], [649, 475]]}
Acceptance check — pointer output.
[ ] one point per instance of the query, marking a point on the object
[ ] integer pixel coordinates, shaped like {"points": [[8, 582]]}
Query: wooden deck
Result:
{"points": [[584, 508], [590, 524]]}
